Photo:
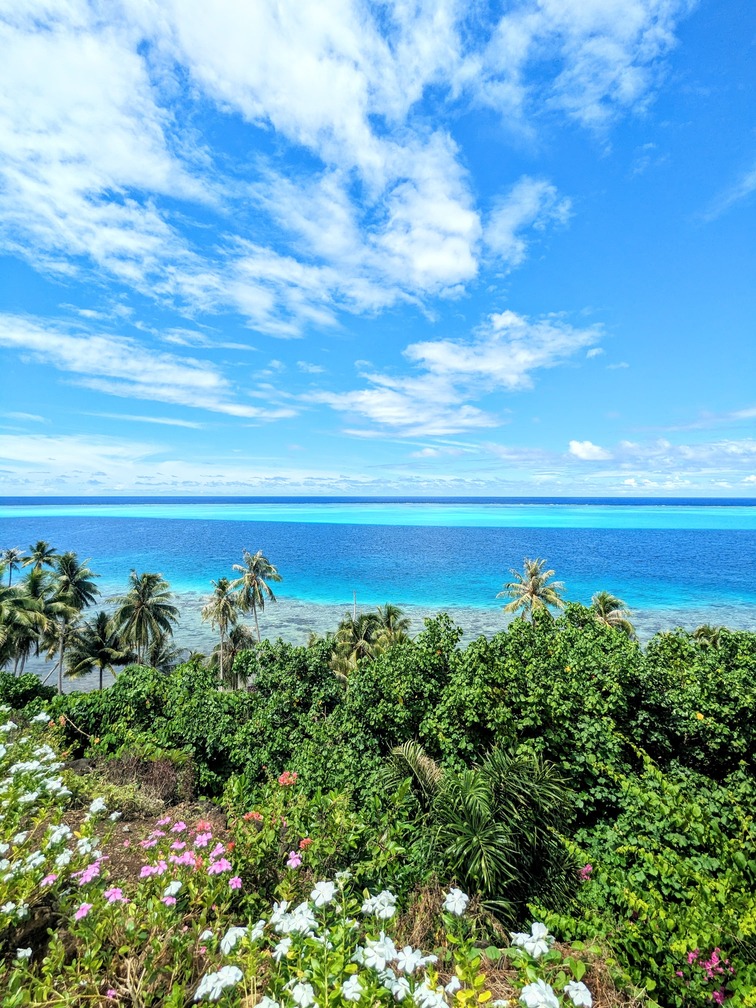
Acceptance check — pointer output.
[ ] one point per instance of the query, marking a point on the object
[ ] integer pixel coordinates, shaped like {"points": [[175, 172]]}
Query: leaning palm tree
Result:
{"points": [[96, 645], [41, 554], [11, 558], [252, 587], [145, 614], [222, 610], [612, 612], [37, 607], [530, 590]]}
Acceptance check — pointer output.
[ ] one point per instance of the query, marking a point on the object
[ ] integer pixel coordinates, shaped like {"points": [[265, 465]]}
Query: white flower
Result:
{"points": [[266, 1002], [323, 893], [23, 910], [58, 833], [539, 995], [408, 959], [382, 906], [8, 726], [23, 953], [212, 985], [453, 986], [19, 838], [427, 997], [579, 994], [63, 859], [257, 931], [84, 845], [303, 995], [41, 718], [230, 939], [4, 847], [378, 953], [279, 910], [173, 888], [456, 902], [115, 816], [282, 949], [342, 876], [301, 920], [7, 908], [352, 990], [537, 943], [207, 933], [400, 988], [98, 805]]}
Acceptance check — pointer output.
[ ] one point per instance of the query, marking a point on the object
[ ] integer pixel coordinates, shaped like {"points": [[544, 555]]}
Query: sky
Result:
{"points": [[420, 247]]}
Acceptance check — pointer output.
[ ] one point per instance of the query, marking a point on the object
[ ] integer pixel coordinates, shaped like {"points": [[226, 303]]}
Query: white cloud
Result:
{"points": [[100, 113], [165, 421], [595, 352], [502, 355], [742, 189], [620, 366], [531, 203], [750, 479], [120, 366], [588, 451]]}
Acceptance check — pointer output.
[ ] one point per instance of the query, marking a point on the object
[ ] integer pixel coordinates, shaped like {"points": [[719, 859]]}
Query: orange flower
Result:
{"points": [[305, 843]]}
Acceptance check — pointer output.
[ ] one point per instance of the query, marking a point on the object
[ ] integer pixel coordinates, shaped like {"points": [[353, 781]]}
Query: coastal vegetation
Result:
{"points": [[557, 815]]}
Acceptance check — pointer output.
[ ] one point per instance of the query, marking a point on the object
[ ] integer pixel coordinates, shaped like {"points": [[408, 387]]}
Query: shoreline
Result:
{"points": [[293, 620]]}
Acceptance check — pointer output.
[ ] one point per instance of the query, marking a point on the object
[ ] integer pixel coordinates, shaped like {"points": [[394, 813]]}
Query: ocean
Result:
{"points": [[674, 562]]}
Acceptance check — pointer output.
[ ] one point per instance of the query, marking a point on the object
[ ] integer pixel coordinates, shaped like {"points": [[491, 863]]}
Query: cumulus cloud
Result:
{"points": [[588, 451], [104, 161]]}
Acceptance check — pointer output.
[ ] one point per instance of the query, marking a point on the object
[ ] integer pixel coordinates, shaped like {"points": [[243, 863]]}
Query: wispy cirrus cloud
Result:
{"points": [[120, 366], [501, 356]]}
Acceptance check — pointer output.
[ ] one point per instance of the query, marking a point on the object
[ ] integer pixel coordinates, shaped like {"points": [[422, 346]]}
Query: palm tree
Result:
{"points": [[37, 607], [707, 636], [240, 638], [75, 588], [164, 656], [612, 612], [530, 590], [11, 558], [392, 626], [222, 611], [41, 554], [96, 645], [145, 614], [252, 587]]}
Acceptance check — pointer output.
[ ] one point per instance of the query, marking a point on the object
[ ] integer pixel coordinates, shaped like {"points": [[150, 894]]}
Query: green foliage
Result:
{"points": [[18, 691]]}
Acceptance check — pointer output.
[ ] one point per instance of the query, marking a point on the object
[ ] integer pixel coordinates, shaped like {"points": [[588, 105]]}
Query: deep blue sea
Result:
{"points": [[675, 562]]}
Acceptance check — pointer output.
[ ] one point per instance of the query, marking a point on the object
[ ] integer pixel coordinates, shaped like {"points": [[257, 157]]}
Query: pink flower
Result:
{"points": [[235, 882], [692, 956], [147, 870], [169, 900], [157, 833], [203, 826], [178, 827], [147, 843], [127, 843], [115, 895], [88, 873], [178, 845], [161, 867], [304, 843], [287, 778], [718, 997], [218, 850], [585, 873], [111, 994], [219, 866], [164, 822], [202, 839], [48, 880], [294, 860], [83, 911], [202, 949]]}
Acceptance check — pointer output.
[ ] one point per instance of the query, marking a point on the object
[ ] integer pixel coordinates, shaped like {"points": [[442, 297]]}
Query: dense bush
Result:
{"points": [[655, 747]]}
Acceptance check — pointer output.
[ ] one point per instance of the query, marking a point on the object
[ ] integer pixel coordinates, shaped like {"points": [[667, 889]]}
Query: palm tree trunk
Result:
{"points": [[220, 653], [257, 625], [60, 663], [100, 678]]}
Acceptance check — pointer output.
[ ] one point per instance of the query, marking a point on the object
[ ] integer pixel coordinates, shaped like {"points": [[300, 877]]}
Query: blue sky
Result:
{"points": [[415, 248]]}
